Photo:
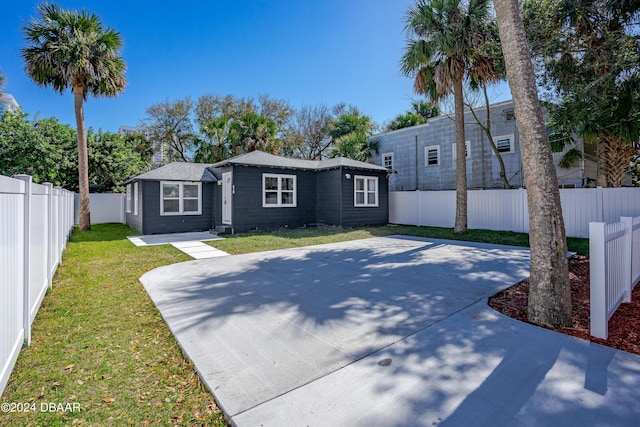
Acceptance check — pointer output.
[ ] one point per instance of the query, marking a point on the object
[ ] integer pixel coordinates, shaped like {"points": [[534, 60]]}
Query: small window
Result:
{"points": [[278, 191], [467, 149], [180, 198], [366, 191], [387, 160], [432, 155], [135, 198], [128, 206], [509, 115], [504, 143]]}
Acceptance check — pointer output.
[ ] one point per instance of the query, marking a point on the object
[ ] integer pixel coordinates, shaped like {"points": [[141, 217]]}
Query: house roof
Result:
{"points": [[259, 158], [179, 172]]}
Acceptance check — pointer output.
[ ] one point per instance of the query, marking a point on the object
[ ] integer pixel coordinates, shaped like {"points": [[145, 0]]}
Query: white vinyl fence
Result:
{"points": [[614, 264], [35, 223], [105, 207], [507, 210]]}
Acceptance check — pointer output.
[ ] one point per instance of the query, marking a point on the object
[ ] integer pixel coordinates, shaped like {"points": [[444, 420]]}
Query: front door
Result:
{"points": [[227, 185]]}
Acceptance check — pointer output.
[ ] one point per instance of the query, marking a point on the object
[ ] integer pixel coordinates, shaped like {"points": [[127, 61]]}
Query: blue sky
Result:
{"points": [[306, 52]]}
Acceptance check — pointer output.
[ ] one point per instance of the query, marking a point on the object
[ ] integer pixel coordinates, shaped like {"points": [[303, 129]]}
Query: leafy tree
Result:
{"points": [[169, 123], [252, 132], [69, 49], [549, 287], [447, 39], [308, 132], [351, 134], [588, 54], [420, 113], [113, 159]]}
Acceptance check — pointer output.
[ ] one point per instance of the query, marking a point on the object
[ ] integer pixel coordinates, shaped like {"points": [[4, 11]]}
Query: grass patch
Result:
{"points": [[284, 239], [98, 340]]}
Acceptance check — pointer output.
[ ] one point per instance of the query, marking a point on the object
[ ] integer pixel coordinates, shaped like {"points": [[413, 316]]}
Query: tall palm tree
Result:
{"points": [[446, 39], [549, 286], [73, 50]]}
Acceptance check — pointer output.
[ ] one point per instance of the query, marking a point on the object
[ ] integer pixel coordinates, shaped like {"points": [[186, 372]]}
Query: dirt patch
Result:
{"points": [[624, 326]]}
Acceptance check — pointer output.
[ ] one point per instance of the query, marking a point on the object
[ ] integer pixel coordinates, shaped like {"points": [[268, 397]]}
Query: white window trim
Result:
{"points": [[279, 191], [454, 151], [511, 139], [366, 191], [181, 211], [390, 167], [135, 198], [128, 199], [426, 155]]}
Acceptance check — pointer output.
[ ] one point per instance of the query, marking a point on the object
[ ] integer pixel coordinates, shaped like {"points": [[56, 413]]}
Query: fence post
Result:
{"points": [[26, 313], [598, 272], [628, 244], [49, 232], [523, 206], [599, 204]]}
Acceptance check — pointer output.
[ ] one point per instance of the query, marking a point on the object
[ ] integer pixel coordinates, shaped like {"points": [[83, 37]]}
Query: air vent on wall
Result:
{"points": [[509, 115]]}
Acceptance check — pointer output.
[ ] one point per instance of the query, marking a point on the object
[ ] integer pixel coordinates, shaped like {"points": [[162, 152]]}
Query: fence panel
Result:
{"points": [[437, 208], [508, 210], [11, 274], [105, 208], [35, 222]]}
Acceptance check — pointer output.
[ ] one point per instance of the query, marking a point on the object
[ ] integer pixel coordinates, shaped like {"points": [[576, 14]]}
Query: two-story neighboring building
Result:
{"points": [[424, 156], [8, 103]]}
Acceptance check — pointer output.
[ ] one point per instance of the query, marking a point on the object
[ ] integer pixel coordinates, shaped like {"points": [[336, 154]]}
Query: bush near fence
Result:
{"points": [[35, 224], [507, 210]]}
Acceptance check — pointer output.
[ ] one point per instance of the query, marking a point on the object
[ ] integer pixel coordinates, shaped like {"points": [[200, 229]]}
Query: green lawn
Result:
{"points": [[98, 340], [255, 242]]}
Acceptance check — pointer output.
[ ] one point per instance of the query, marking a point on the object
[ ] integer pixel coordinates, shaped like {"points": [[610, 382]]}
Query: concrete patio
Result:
{"points": [[384, 331]]}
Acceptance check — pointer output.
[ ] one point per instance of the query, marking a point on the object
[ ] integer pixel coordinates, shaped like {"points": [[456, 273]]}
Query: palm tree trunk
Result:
{"points": [[83, 159], [549, 287], [461, 161]]}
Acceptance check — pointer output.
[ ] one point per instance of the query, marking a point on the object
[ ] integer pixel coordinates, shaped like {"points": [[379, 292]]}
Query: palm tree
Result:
{"points": [[446, 39], [549, 287], [73, 50]]}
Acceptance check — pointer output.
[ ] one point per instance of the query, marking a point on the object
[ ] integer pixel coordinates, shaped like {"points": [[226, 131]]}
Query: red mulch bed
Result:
{"points": [[624, 325]]}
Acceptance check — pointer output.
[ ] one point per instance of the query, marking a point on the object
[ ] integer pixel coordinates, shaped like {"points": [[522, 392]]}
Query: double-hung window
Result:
{"points": [[128, 207], [432, 155], [278, 191], [180, 198], [365, 191]]}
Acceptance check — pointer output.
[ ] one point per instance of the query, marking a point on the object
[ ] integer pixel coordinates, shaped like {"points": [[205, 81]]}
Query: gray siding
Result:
{"points": [[154, 223], [248, 213], [329, 197], [353, 216]]}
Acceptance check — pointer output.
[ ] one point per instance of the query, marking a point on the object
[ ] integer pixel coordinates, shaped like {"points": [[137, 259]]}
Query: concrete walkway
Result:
{"points": [[189, 243], [390, 331]]}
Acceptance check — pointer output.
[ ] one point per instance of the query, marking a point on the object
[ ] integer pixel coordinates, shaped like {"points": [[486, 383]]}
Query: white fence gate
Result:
{"points": [[35, 223], [507, 210], [105, 208], [614, 267]]}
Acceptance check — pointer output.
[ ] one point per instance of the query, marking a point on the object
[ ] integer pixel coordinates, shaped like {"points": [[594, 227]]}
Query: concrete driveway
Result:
{"points": [[381, 332]]}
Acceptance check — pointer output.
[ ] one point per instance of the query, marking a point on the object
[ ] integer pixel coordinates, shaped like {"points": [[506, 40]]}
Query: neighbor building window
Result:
{"points": [[278, 191], [467, 149], [366, 191], [504, 143], [432, 155], [387, 160], [181, 198], [128, 207]]}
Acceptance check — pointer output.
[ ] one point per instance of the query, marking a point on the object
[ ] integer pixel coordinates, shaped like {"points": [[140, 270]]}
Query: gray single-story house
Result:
{"points": [[257, 191]]}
